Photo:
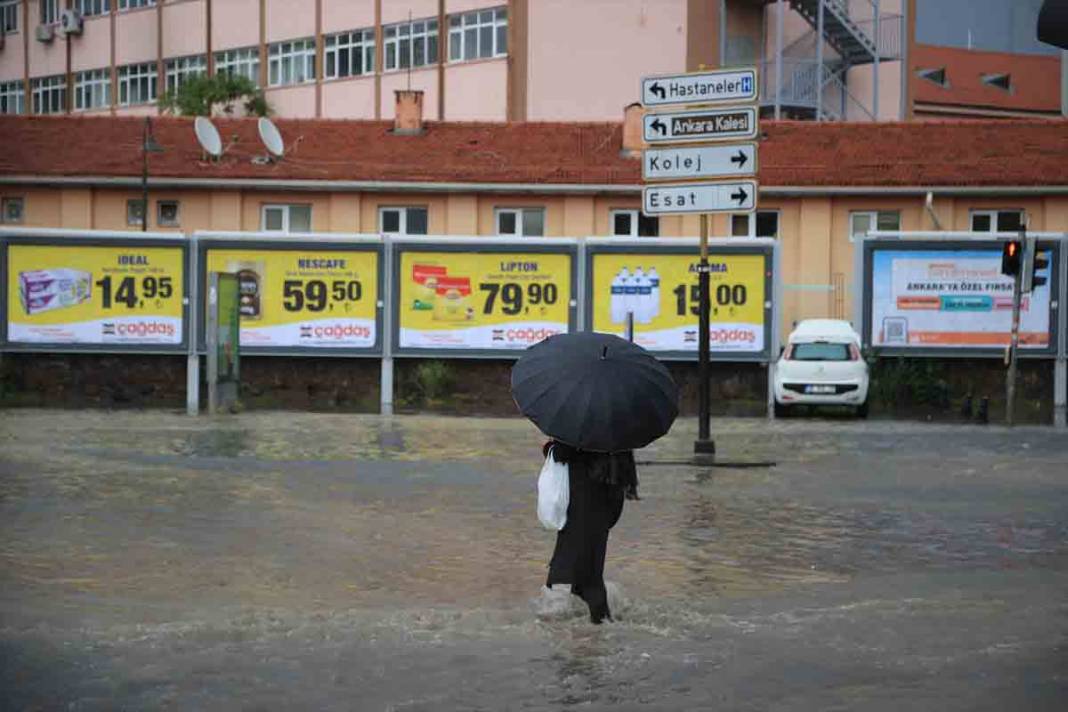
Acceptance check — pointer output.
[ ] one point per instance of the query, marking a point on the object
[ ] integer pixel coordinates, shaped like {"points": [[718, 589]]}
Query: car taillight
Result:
{"points": [[854, 353]]}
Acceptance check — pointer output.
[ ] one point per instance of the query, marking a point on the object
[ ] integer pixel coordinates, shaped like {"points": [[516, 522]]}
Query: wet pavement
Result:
{"points": [[278, 561]]}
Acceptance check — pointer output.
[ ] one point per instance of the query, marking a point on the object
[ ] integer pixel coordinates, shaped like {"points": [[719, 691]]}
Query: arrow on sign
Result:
{"points": [[659, 127], [739, 196], [740, 158], [658, 90]]}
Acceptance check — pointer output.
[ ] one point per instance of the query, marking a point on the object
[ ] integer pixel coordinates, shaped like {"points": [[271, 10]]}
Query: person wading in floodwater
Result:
{"points": [[599, 398], [598, 485]]}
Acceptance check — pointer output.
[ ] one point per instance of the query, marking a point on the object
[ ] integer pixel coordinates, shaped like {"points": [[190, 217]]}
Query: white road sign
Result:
{"points": [[723, 160], [733, 197], [717, 87], [702, 125]]}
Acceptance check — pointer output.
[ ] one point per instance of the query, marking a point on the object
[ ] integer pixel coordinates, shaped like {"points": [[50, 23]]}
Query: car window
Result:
{"points": [[820, 352]]}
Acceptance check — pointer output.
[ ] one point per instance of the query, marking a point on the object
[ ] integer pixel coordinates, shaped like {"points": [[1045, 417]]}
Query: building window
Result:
{"points": [[135, 212], [244, 62], [92, 90], [49, 12], [50, 95], [12, 98], [291, 62], [863, 221], [286, 218], [937, 76], [403, 221], [479, 34], [998, 81], [167, 213], [349, 54], [998, 220], [11, 211], [411, 44], [521, 222], [137, 84], [763, 223], [181, 70], [631, 223], [9, 16], [134, 4], [89, 8]]}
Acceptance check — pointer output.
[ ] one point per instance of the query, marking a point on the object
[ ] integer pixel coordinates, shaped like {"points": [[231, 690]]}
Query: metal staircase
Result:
{"points": [[814, 67]]}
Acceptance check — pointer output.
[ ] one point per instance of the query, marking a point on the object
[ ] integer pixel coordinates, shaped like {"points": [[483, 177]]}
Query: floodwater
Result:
{"points": [[279, 561]]}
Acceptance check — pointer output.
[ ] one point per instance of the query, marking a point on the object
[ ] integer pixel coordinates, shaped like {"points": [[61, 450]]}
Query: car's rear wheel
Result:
{"points": [[862, 410], [781, 411]]}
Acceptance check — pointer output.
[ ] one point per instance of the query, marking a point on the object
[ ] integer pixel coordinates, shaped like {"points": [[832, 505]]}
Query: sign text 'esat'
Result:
{"points": [[732, 197]]}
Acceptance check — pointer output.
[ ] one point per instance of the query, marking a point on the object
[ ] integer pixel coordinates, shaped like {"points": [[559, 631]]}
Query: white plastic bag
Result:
{"points": [[553, 494]]}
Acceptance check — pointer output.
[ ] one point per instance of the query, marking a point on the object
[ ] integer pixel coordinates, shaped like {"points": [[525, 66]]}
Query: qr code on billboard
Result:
{"points": [[895, 330]]}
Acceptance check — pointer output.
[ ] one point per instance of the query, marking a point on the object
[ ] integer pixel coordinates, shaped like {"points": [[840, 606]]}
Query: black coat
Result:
{"points": [[599, 484]]}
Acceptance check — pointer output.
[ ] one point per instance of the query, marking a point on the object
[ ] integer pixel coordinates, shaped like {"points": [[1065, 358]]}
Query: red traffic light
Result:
{"points": [[1010, 258]]}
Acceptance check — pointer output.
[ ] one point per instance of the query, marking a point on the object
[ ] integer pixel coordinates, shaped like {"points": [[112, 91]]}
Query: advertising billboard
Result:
{"points": [[492, 300], [121, 295], [660, 288], [305, 296], [950, 298]]}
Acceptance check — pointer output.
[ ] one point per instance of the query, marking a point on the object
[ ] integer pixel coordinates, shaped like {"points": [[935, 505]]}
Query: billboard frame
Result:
{"points": [[993, 243], [479, 245], [689, 246], [285, 242], [94, 238]]}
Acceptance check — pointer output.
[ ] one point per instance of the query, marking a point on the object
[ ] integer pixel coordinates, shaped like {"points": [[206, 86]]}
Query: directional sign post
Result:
{"points": [[700, 126], [733, 197], [735, 86], [723, 125], [722, 161]]}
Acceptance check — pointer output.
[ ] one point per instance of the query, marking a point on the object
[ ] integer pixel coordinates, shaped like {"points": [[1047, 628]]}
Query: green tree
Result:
{"points": [[197, 96]]}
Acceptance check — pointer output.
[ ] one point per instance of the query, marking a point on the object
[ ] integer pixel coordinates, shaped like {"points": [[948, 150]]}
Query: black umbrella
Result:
{"points": [[595, 392]]}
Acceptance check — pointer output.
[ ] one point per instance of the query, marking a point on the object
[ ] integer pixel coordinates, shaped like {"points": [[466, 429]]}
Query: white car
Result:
{"points": [[822, 365]]}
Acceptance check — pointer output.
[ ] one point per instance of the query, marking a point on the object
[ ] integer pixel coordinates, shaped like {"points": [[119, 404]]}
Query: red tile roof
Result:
{"points": [[1035, 79], [945, 153]]}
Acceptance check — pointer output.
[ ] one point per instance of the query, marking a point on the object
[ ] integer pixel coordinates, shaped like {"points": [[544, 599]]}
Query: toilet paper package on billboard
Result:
{"points": [[47, 289]]}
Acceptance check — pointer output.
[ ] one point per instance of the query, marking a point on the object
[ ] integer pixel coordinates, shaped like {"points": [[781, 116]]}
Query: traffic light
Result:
{"points": [[1040, 263], [1010, 257]]}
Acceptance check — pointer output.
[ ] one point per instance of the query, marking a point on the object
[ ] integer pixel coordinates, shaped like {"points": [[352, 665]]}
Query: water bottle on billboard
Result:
{"points": [[616, 304], [645, 297], [654, 296], [630, 296]]}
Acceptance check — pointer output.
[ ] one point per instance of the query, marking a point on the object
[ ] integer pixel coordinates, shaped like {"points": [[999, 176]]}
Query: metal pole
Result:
{"points": [[629, 332], [1014, 338], [192, 365], [704, 445], [875, 65], [144, 178], [819, 63], [780, 11], [1059, 291], [385, 386]]}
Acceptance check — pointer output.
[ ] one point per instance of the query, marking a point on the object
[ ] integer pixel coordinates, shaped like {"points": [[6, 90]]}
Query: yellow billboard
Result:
{"points": [[294, 298], [95, 294], [485, 300], [660, 290]]}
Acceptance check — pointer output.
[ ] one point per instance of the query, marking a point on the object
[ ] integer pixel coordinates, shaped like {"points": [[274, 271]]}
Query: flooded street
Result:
{"points": [[281, 561]]}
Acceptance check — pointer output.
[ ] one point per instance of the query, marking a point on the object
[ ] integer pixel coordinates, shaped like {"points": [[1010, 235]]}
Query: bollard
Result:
{"points": [[966, 408], [629, 328], [983, 416]]}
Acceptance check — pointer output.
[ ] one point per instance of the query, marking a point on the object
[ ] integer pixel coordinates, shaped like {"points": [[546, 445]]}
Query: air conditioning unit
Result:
{"points": [[45, 33], [70, 22]]}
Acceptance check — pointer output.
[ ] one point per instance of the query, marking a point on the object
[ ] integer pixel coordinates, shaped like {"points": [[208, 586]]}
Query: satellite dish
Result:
{"points": [[208, 136], [271, 138]]}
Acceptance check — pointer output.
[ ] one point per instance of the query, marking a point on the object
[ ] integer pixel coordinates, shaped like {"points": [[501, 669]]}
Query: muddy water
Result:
{"points": [[284, 561]]}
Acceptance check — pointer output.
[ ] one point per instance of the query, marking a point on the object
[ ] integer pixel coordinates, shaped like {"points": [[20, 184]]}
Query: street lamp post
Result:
{"points": [[148, 145]]}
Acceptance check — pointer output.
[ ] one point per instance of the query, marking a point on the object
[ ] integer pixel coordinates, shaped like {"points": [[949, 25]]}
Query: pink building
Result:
{"points": [[506, 60]]}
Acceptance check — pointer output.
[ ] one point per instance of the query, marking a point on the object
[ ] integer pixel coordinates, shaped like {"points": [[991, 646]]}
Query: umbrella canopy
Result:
{"points": [[595, 392]]}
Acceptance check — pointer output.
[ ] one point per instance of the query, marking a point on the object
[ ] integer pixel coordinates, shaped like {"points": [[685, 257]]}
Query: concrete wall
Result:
{"points": [[586, 59]]}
